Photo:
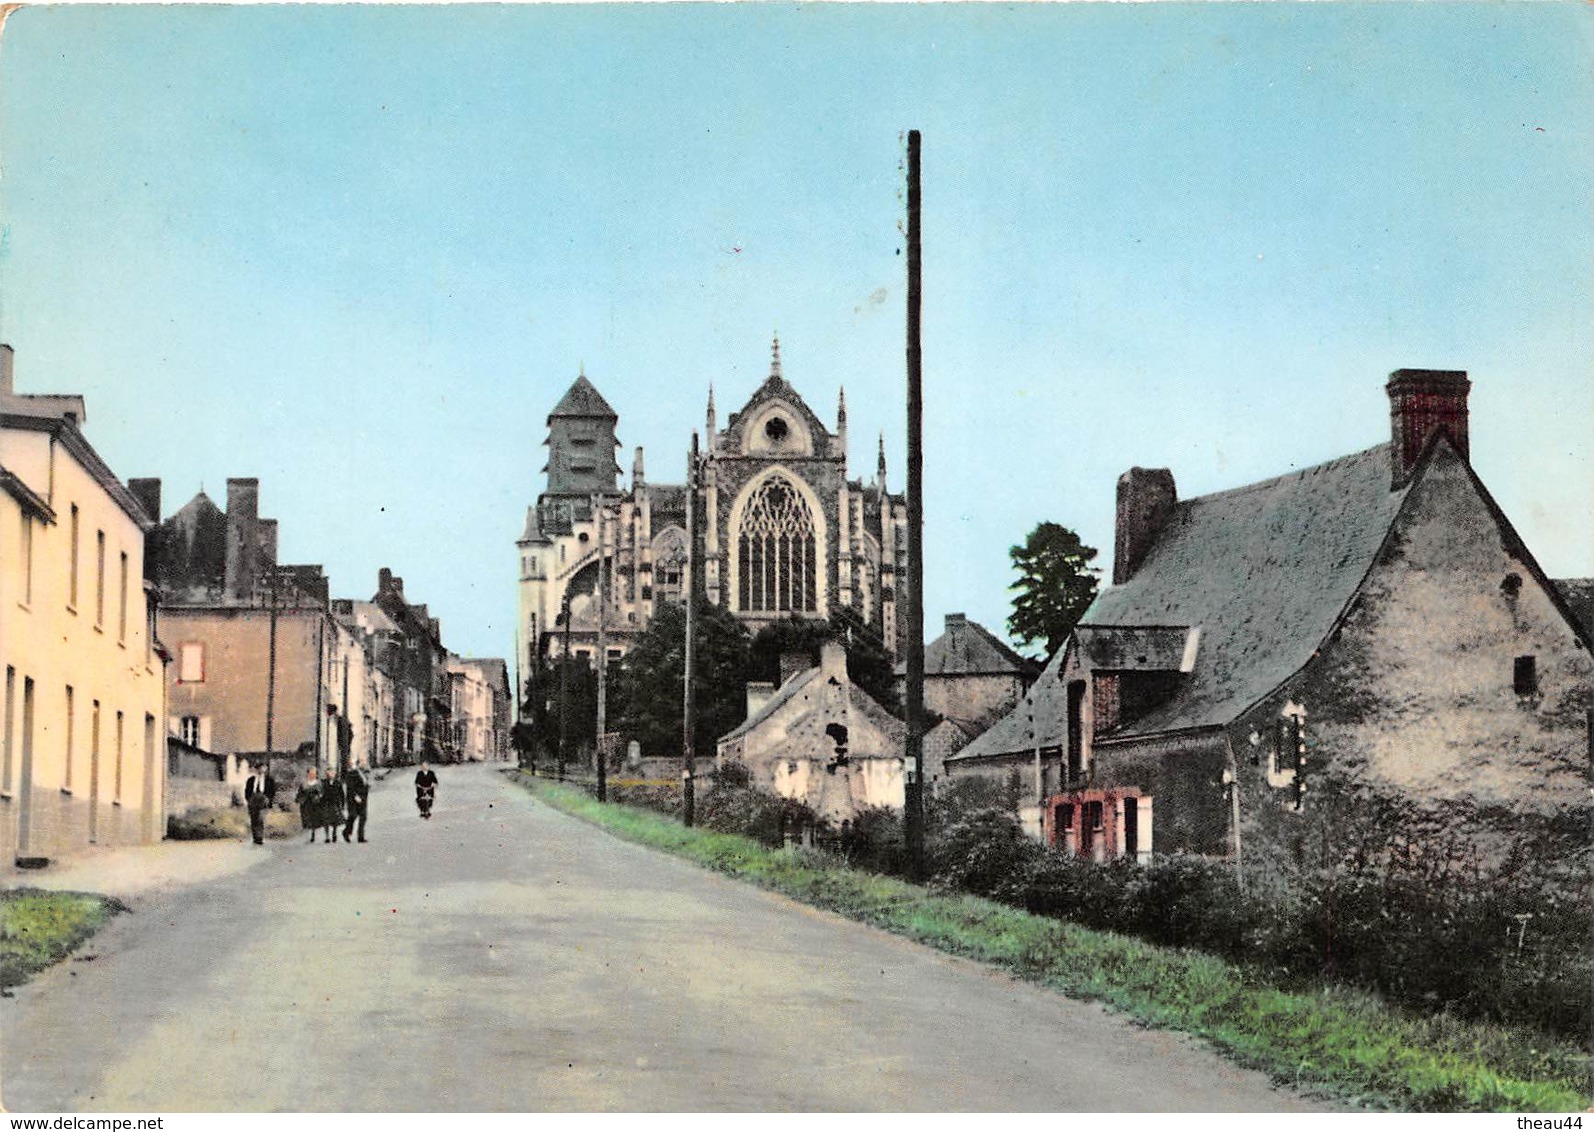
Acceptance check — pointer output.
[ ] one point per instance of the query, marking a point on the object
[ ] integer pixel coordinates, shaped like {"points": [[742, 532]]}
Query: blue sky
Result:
{"points": [[359, 252]]}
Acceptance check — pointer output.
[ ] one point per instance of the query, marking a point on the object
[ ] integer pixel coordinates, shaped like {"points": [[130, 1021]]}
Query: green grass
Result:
{"points": [[40, 928], [1341, 1042]]}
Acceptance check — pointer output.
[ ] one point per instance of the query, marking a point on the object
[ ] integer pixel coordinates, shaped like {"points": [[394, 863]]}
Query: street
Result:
{"points": [[503, 956]]}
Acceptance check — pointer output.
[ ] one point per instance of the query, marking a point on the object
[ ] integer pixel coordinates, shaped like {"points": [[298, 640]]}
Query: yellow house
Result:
{"points": [[82, 749]]}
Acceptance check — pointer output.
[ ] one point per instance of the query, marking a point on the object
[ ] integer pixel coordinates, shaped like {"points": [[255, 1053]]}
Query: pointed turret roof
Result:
{"points": [[582, 399]]}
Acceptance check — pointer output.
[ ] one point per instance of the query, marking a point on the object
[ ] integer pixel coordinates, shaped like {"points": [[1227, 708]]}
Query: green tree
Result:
{"points": [[1056, 584], [869, 665], [651, 680]]}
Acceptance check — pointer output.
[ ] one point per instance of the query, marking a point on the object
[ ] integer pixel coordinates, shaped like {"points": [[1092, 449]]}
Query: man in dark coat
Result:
{"points": [[356, 789], [260, 791]]}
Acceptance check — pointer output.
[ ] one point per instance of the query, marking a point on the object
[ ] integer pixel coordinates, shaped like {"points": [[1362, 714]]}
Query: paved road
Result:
{"points": [[505, 957]]}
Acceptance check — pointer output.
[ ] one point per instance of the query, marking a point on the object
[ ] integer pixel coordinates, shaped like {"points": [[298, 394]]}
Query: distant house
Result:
{"points": [[479, 709], [822, 740], [1369, 626]]}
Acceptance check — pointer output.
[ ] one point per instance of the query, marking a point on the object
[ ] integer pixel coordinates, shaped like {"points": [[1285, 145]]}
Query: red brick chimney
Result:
{"points": [[1423, 402], [1146, 497]]}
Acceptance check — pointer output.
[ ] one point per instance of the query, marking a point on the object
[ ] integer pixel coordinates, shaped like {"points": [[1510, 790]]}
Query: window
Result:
{"points": [[191, 663], [1131, 828], [26, 549], [188, 730], [777, 552], [71, 724], [71, 590], [94, 773], [1525, 676], [116, 792], [121, 606], [99, 579]]}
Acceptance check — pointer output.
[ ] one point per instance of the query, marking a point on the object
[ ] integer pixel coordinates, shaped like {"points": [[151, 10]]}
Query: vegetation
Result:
{"points": [[227, 823], [869, 665], [40, 928], [1346, 1041], [1056, 584], [652, 679]]}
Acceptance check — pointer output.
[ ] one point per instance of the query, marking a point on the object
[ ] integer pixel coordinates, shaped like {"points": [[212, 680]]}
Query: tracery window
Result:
{"points": [[777, 560]]}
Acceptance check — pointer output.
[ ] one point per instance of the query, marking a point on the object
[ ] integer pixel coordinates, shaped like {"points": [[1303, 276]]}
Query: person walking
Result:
{"points": [[356, 793], [309, 799], [425, 790], [260, 791], [332, 792]]}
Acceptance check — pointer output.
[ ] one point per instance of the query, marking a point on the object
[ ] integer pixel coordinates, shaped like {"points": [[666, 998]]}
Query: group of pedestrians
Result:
{"points": [[325, 803]]}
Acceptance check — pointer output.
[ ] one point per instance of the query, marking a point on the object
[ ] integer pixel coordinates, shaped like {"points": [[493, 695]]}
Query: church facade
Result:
{"points": [[782, 530]]}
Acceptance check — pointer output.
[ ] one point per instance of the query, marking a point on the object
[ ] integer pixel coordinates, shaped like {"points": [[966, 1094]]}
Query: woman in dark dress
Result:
{"points": [[425, 790], [309, 799], [331, 805]]}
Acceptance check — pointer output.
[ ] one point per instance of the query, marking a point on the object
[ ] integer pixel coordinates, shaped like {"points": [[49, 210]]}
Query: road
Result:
{"points": [[505, 957]]}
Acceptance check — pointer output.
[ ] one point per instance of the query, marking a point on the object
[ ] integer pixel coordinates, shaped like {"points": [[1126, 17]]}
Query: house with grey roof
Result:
{"points": [[971, 680], [1371, 626]]}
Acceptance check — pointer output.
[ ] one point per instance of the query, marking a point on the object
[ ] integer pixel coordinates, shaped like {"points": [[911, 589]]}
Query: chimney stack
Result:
{"points": [[1423, 402], [8, 371], [148, 494], [1146, 497], [243, 539]]}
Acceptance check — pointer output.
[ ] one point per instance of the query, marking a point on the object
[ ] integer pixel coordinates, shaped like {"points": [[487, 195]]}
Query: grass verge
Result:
{"points": [[38, 928], [1337, 1041]]}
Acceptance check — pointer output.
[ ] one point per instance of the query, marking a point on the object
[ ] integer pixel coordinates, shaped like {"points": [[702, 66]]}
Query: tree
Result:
{"points": [[869, 665], [1056, 584], [651, 686]]}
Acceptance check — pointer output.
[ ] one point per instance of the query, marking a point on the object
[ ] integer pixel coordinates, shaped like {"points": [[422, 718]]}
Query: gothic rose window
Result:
{"points": [[777, 558]]}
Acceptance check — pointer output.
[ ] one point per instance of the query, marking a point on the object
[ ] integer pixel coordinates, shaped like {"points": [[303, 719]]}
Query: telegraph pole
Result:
{"points": [[688, 753], [603, 650], [914, 794], [564, 689]]}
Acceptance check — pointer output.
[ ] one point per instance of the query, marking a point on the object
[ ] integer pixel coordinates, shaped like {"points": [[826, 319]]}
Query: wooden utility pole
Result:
{"points": [[914, 758], [603, 649], [688, 752], [564, 688]]}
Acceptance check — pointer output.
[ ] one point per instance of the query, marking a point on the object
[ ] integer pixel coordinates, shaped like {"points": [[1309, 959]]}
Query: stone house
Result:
{"points": [[971, 680], [479, 702], [1369, 627], [821, 740], [82, 750]]}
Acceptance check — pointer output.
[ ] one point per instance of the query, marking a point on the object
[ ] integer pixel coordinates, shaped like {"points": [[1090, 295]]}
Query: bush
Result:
{"points": [[983, 853], [874, 840]]}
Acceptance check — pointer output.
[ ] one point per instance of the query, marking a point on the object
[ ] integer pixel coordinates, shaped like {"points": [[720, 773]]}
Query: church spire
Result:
{"points": [[841, 411], [880, 468], [774, 359], [712, 427]]}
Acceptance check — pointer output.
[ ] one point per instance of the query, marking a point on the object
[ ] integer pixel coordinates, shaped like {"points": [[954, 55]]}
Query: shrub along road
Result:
{"points": [[504, 956]]}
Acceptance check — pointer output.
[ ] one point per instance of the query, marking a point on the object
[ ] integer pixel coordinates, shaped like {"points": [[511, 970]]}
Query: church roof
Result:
{"points": [[777, 388], [1263, 572], [582, 399]]}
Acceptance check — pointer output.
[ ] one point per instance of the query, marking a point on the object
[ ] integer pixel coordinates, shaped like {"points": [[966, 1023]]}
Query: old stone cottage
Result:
{"points": [[1372, 627]]}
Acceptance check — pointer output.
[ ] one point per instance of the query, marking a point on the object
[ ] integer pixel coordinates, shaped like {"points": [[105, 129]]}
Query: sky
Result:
{"points": [[360, 252]]}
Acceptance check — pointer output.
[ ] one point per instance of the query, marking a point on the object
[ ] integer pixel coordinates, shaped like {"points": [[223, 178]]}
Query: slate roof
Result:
{"points": [[969, 649], [582, 399], [1264, 571], [861, 701]]}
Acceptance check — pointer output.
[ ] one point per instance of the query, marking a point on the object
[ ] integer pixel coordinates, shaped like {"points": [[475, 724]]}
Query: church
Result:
{"points": [[783, 531]]}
